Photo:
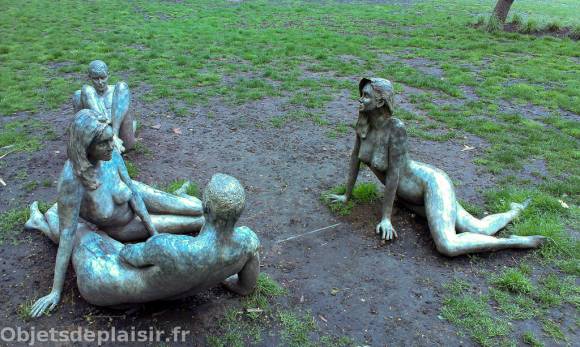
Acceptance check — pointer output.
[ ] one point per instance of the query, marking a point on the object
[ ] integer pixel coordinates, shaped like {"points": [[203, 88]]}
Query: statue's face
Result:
{"points": [[369, 100], [99, 81], [102, 146]]}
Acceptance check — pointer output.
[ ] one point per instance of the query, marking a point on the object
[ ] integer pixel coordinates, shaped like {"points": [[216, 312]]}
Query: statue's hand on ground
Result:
{"points": [[337, 198], [385, 228], [45, 304]]}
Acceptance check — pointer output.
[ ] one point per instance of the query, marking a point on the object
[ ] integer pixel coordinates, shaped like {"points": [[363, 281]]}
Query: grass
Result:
{"points": [[363, 193], [132, 169], [259, 312], [530, 339], [23, 136], [192, 188], [241, 52], [472, 313], [513, 280], [12, 223], [24, 310]]}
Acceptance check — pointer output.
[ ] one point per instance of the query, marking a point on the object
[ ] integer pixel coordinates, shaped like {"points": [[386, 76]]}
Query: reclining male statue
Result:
{"points": [[111, 101], [169, 266]]}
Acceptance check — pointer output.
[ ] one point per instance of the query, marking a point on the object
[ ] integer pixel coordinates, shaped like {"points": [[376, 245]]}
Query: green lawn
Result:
{"points": [[193, 51]]}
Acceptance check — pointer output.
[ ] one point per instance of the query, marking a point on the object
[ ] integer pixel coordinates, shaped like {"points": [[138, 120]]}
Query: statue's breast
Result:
{"points": [[374, 151]]}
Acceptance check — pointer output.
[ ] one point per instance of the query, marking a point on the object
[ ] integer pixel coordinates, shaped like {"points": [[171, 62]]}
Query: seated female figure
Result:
{"points": [[111, 100], [94, 184], [381, 143]]}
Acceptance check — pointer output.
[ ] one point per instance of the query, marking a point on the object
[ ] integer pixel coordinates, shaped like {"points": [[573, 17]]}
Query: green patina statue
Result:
{"points": [[381, 143]]}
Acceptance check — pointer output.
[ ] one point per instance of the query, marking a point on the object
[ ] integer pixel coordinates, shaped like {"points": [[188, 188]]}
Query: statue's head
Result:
{"points": [[90, 140], [99, 75], [224, 200], [376, 93]]}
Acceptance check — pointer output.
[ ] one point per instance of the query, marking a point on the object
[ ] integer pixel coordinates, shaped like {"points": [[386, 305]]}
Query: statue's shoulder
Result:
{"points": [[396, 123], [248, 237]]}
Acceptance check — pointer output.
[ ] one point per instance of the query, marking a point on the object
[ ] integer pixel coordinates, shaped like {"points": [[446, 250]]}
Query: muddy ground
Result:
{"points": [[388, 293]]}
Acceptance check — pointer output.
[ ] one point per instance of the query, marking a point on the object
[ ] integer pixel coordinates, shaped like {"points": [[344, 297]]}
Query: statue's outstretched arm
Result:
{"points": [[352, 174], [136, 201], [137, 254], [397, 154], [69, 202], [245, 282], [353, 168]]}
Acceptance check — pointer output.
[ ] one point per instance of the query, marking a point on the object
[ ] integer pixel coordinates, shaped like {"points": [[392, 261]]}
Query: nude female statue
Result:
{"points": [[112, 101], [381, 143], [94, 184], [170, 266]]}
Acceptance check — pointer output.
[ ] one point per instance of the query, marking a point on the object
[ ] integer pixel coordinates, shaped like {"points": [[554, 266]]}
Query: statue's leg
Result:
{"points": [[160, 202], [121, 115], [136, 231], [488, 225], [48, 223], [441, 210], [76, 100], [45, 223]]}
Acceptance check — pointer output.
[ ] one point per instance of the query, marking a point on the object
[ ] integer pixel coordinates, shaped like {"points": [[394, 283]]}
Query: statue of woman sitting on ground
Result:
{"points": [[170, 266], [112, 101], [381, 143], [94, 184]]}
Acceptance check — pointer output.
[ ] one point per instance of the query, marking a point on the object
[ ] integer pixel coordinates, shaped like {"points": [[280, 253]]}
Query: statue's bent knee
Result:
{"points": [[447, 248], [122, 88]]}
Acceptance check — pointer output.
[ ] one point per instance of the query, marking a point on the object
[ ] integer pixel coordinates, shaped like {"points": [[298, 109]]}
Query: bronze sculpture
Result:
{"points": [[381, 143], [111, 101], [94, 184]]}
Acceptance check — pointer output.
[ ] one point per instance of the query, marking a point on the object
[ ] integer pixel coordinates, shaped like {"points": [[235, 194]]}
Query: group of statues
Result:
{"points": [[140, 244]]}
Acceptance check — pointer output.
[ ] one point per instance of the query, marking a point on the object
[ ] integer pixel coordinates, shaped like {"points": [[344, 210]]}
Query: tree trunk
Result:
{"points": [[502, 7]]}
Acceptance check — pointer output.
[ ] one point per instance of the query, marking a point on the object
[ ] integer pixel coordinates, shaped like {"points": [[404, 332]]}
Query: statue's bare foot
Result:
{"points": [[533, 241], [520, 207], [36, 221]]}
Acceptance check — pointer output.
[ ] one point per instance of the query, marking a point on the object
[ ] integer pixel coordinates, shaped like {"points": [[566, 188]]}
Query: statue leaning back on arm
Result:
{"points": [[112, 101], [381, 143], [94, 184]]}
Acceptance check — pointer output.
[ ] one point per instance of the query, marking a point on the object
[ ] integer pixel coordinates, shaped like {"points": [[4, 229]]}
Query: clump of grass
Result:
{"points": [[363, 193], [11, 223], [516, 20], [493, 24], [192, 188], [132, 169], [553, 330], [553, 26], [513, 280], [24, 310], [17, 136], [515, 307], [296, 329], [30, 186], [531, 26], [530, 339], [266, 289], [471, 312]]}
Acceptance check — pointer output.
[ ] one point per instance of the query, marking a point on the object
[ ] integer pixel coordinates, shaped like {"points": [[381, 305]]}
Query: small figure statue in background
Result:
{"points": [[381, 143], [112, 101]]}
